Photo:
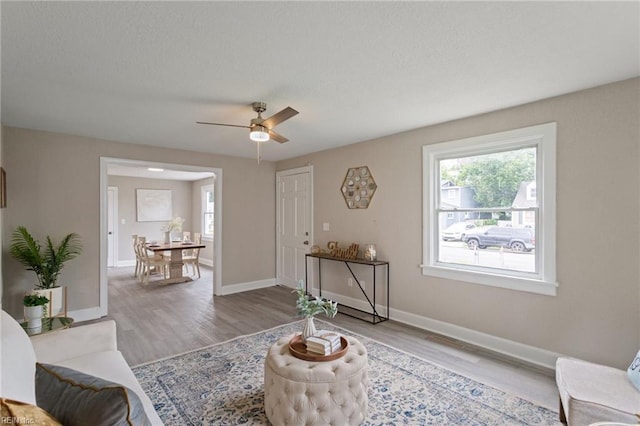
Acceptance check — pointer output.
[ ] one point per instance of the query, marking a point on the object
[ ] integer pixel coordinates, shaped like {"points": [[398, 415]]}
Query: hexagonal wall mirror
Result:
{"points": [[358, 187]]}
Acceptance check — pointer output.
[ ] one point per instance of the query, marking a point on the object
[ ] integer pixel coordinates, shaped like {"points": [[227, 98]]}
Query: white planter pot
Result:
{"points": [[57, 300], [33, 316]]}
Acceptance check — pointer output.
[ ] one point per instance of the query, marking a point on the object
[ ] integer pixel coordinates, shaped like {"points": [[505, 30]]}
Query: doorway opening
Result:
{"points": [[135, 173]]}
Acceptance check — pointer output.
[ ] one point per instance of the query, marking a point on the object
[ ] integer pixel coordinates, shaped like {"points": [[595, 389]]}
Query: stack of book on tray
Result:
{"points": [[324, 342]]}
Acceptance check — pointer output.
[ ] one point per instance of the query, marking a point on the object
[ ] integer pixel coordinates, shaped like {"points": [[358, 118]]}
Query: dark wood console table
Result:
{"points": [[376, 318]]}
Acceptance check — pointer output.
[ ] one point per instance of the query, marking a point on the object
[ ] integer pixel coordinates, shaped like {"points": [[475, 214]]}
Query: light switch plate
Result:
{"points": [[325, 226]]}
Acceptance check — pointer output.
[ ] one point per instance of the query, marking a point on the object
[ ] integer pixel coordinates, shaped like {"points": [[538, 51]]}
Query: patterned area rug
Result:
{"points": [[223, 385]]}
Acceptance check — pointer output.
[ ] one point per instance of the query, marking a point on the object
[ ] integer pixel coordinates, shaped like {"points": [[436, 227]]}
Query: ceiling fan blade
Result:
{"points": [[277, 137], [222, 124], [279, 117]]}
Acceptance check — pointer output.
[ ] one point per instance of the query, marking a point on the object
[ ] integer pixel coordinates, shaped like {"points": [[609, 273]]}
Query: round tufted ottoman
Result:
{"points": [[298, 392]]}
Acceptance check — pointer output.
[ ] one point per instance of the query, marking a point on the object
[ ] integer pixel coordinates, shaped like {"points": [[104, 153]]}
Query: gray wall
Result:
{"points": [[596, 313], [183, 205], [53, 187]]}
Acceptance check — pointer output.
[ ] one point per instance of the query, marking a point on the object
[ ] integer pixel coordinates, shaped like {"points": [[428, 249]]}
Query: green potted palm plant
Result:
{"points": [[46, 262], [34, 309]]}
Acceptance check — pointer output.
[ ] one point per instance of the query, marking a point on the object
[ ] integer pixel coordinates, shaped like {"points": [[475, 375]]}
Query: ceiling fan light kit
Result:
{"points": [[259, 134], [261, 129]]}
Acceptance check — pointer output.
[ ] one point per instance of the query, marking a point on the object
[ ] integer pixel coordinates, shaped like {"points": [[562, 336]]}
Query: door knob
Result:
{"points": [[306, 243]]}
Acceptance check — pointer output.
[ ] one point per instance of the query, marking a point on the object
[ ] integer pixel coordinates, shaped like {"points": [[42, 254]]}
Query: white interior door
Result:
{"points": [[294, 228], [112, 219]]}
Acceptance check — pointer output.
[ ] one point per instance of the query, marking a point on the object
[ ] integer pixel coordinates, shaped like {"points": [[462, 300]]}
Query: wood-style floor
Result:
{"points": [[157, 321]]}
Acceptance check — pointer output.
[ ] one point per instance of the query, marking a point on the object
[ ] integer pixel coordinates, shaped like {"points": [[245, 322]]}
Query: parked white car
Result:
{"points": [[456, 231]]}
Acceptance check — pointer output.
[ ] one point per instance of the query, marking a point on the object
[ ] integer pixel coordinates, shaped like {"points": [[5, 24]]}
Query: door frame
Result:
{"points": [[217, 240], [116, 220], [279, 175]]}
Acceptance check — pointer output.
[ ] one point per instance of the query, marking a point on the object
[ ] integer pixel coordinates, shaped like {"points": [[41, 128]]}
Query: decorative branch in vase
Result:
{"points": [[308, 308], [174, 225]]}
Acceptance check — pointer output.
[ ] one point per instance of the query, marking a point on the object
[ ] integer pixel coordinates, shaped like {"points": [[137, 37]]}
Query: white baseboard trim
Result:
{"points": [[123, 263], [208, 262], [530, 354], [350, 301], [240, 287]]}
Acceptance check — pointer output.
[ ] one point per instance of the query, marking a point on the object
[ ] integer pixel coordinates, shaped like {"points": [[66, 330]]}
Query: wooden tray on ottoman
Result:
{"points": [[298, 349]]}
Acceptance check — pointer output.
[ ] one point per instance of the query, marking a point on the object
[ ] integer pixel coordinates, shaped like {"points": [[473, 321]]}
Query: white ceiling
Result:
{"points": [[136, 169], [145, 72]]}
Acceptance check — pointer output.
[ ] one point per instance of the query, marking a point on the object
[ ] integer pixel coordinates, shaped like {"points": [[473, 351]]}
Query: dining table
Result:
{"points": [[175, 264]]}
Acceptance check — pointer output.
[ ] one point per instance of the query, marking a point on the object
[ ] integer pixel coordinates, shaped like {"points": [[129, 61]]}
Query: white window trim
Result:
{"points": [[203, 202], [543, 137]]}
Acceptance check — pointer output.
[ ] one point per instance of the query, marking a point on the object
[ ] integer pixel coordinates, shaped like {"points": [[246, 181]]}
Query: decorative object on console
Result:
{"points": [[316, 249], [46, 264], [344, 253], [34, 309], [308, 308], [358, 187], [370, 252]]}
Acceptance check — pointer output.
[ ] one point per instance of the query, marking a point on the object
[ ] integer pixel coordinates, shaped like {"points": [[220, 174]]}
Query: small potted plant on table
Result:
{"points": [[308, 308], [34, 309]]}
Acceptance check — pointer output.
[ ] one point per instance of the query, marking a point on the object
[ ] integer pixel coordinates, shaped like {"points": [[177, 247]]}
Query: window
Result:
{"points": [[207, 210], [506, 186]]}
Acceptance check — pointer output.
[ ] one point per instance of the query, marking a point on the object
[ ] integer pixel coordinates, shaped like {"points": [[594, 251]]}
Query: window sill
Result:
{"points": [[547, 288]]}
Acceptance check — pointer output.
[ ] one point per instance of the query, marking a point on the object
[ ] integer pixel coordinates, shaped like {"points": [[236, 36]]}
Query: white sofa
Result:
{"points": [[592, 393], [91, 349]]}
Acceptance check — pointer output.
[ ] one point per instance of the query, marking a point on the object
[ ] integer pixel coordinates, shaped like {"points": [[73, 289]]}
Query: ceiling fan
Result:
{"points": [[261, 129]]}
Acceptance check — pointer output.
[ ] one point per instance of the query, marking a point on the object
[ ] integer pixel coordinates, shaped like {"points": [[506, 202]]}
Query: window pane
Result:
{"points": [[207, 210], [496, 180], [489, 242], [208, 223]]}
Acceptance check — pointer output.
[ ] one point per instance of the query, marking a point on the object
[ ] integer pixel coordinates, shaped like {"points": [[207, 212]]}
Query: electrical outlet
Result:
{"points": [[350, 282], [362, 283]]}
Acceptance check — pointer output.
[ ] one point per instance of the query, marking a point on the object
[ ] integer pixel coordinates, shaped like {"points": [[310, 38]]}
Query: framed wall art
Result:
{"points": [[154, 205]]}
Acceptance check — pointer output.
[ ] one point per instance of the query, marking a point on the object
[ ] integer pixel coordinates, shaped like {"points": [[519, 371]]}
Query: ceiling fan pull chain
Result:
{"points": [[258, 143]]}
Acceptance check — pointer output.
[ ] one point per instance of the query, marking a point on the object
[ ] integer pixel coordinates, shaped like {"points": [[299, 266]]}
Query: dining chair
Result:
{"points": [[151, 262], [134, 242], [193, 256], [141, 240]]}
